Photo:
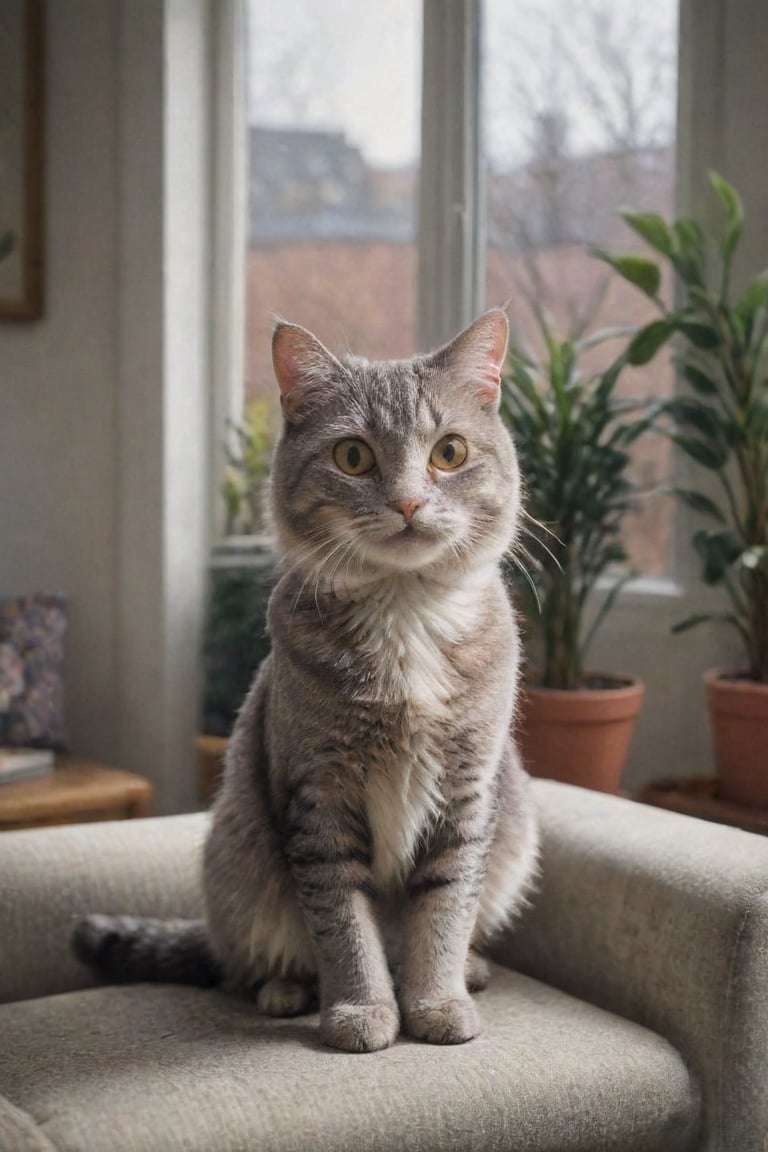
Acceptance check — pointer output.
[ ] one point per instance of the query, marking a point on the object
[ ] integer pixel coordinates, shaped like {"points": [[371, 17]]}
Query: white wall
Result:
{"points": [[104, 403], [58, 472]]}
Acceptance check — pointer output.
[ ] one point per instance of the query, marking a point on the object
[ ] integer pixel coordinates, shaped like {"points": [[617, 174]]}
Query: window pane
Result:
{"points": [[334, 108], [579, 104]]}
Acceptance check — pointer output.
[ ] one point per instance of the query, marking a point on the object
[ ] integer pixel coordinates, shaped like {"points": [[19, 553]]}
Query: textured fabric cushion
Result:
{"points": [[49, 877], [166, 1069], [664, 920], [35, 627]]}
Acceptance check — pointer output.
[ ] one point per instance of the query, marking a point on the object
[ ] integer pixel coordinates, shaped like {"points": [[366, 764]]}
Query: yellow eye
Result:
{"points": [[354, 457], [449, 453]]}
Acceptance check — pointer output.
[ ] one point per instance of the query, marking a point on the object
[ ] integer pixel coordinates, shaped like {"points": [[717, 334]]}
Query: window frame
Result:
{"points": [[229, 222]]}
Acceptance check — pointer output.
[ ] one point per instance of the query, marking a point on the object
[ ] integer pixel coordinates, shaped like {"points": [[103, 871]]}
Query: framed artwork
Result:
{"points": [[21, 158]]}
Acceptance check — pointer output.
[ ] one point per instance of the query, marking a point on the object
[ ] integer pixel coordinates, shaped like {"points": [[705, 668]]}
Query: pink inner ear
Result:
{"points": [[490, 379], [498, 349], [303, 367], [490, 383], [286, 353]]}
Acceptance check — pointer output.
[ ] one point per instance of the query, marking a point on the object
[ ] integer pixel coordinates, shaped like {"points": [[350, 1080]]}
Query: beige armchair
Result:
{"points": [[628, 1011]]}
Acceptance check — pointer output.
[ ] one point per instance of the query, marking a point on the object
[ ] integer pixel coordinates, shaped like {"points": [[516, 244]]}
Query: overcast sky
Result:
{"points": [[340, 64], [606, 65]]}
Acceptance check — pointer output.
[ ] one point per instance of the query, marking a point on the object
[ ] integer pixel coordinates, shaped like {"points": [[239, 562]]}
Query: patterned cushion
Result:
{"points": [[34, 628], [11, 676]]}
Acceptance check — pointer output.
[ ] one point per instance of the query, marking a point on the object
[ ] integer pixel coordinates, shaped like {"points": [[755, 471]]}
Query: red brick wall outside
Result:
{"points": [[354, 296], [361, 296]]}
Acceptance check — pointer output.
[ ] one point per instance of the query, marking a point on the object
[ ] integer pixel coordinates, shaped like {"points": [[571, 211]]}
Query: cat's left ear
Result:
{"points": [[476, 356], [304, 369]]}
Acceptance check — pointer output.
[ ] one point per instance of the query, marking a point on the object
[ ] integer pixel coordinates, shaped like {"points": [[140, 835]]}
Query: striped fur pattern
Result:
{"points": [[130, 949], [374, 827]]}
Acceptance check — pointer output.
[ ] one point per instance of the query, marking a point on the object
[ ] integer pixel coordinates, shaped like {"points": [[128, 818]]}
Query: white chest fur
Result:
{"points": [[406, 627]]}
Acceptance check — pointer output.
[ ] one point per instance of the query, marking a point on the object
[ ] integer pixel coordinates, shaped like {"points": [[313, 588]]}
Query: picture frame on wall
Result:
{"points": [[22, 128]]}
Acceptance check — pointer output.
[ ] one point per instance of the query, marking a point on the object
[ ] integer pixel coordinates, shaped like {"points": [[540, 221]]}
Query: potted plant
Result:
{"points": [[241, 573], [572, 433], [721, 424], [248, 452]]}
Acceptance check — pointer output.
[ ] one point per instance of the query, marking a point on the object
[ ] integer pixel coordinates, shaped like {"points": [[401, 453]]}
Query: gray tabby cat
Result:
{"points": [[374, 818]]}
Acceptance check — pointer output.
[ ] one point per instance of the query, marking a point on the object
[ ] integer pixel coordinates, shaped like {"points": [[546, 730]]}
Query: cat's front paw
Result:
{"points": [[442, 1021], [359, 1027]]}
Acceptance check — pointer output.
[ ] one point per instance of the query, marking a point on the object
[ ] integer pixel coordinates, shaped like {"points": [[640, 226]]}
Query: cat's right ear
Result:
{"points": [[304, 369], [475, 357]]}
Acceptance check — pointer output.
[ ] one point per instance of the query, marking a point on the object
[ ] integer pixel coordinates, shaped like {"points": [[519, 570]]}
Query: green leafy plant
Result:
{"points": [[236, 640], [722, 422], [572, 434], [249, 450]]}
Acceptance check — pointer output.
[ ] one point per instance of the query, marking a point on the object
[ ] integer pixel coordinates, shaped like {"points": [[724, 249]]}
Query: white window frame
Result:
{"points": [[229, 194], [451, 233]]}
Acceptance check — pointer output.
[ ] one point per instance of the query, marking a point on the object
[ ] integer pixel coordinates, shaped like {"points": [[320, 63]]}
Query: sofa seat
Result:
{"points": [[143, 1068]]}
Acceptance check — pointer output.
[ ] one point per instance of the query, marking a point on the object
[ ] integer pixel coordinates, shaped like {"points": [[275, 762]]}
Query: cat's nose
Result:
{"points": [[406, 507]]}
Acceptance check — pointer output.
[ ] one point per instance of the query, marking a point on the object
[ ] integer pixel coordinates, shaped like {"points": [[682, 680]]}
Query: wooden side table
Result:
{"points": [[697, 796], [77, 791]]}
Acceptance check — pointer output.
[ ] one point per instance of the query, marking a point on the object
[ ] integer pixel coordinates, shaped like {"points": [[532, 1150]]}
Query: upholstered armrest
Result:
{"points": [[664, 920], [49, 877]]}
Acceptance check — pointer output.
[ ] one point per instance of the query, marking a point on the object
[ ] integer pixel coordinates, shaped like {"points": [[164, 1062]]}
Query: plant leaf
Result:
{"points": [[692, 622], [699, 380], [644, 346], [701, 335], [719, 550], [698, 502], [689, 412], [603, 611], [638, 270], [757, 418], [603, 335], [652, 228], [704, 454], [707, 617], [734, 210], [689, 235], [756, 296]]}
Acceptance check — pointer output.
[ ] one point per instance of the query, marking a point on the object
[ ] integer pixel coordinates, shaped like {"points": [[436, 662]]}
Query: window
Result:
{"points": [[580, 108], [588, 90], [333, 147]]}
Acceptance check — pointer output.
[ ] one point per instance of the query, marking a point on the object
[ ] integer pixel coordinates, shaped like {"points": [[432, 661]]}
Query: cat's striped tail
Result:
{"points": [[131, 950]]}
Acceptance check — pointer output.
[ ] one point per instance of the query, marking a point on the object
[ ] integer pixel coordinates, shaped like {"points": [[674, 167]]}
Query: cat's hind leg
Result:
{"points": [[284, 996], [476, 972]]}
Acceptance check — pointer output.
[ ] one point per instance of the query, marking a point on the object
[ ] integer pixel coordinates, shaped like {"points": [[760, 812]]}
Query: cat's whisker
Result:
{"points": [[539, 524], [527, 577], [544, 546], [304, 559], [338, 546], [346, 554], [309, 572]]}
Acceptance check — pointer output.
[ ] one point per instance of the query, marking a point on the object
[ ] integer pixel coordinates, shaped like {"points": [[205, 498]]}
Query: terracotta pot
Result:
{"points": [[582, 736], [739, 713]]}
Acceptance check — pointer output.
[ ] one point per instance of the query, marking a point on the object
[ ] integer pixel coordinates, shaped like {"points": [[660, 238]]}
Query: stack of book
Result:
{"points": [[23, 763]]}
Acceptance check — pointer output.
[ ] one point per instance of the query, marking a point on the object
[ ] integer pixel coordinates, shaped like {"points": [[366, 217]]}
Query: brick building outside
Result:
{"points": [[332, 247]]}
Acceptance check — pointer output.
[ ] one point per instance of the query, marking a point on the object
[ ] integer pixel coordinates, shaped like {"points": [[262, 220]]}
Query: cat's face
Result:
{"points": [[396, 466]]}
